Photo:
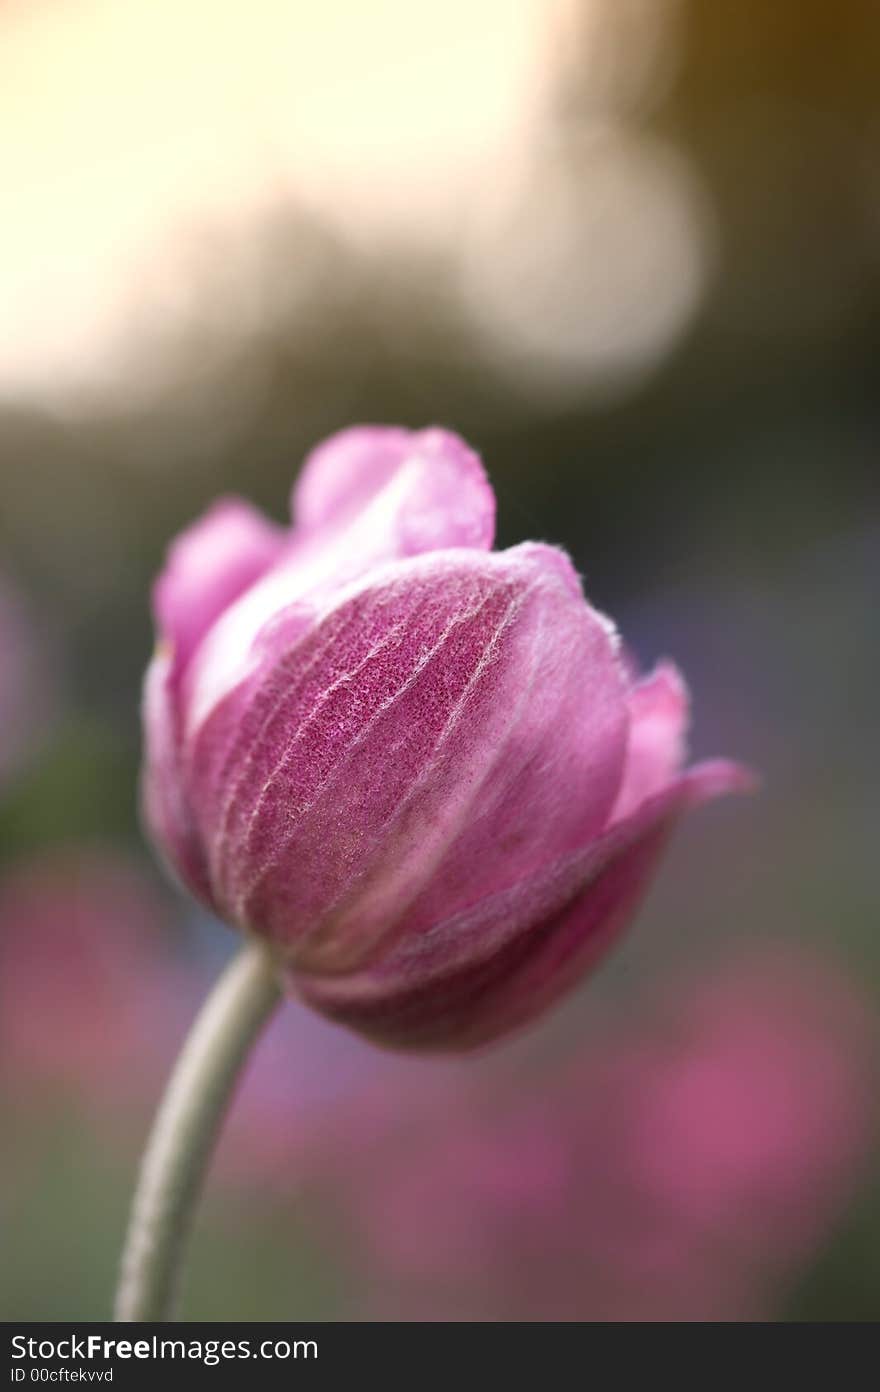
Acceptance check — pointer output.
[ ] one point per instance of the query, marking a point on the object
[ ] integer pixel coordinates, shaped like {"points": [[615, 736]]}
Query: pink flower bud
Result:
{"points": [[418, 767], [674, 1167]]}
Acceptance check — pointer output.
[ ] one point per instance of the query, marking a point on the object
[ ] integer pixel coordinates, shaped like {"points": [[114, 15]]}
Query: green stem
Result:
{"points": [[185, 1130]]}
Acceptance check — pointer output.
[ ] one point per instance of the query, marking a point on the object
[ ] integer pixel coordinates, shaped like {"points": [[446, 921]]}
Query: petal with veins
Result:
{"points": [[492, 968]]}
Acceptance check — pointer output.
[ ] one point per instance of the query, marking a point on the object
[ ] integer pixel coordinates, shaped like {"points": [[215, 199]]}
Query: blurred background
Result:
{"points": [[631, 250]]}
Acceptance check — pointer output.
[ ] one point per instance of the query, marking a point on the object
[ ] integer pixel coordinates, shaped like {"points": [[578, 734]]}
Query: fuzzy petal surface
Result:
{"points": [[410, 728], [492, 968]]}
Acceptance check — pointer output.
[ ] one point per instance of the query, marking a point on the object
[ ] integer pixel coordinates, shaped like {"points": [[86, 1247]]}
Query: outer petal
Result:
{"points": [[492, 968], [659, 713], [426, 487], [165, 810], [563, 752], [208, 566], [417, 721]]}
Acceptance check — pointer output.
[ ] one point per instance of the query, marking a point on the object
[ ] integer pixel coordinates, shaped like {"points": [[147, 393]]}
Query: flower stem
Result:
{"points": [[185, 1130]]}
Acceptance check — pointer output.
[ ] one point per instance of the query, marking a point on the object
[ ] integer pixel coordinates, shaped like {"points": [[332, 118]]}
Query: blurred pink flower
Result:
{"points": [[771, 1083], [87, 990], [417, 767], [304, 1076], [95, 1000], [683, 1168]]}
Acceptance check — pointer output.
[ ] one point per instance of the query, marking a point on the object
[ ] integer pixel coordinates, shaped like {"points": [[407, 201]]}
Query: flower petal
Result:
{"points": [[209, 565], [415, 490], [659, 712], [416, 721], [165, 810], [493, 967], [550, 790]]}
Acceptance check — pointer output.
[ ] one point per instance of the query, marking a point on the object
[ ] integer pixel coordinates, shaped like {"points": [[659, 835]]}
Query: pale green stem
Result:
{"points": [[185, 1130]]}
